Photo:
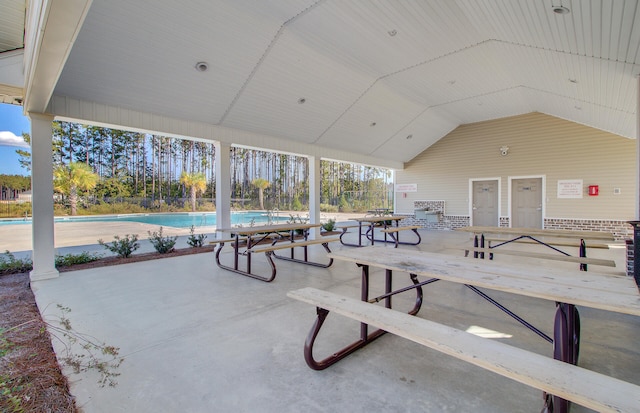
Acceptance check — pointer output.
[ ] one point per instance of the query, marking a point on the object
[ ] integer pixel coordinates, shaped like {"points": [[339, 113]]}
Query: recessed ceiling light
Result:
{"points": [[202, 66], [560, 10], [302, 100], [373, 124], [392, 32]]}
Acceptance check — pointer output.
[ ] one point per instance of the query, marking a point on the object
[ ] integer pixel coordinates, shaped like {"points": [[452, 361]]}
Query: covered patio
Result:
{"points": [[199, 339], [369, 82]]}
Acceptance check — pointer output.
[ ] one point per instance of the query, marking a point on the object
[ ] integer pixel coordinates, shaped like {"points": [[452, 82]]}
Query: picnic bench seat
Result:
{"points": [[559, 243], [269, 251], [579, 385], [550, 238], [284, 244], [344, 228], [226, 240], [393, 233], [541, 255]]}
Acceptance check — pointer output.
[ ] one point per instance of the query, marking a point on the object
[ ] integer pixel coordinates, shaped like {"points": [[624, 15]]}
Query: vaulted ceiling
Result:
{"points": [[382, 78]]}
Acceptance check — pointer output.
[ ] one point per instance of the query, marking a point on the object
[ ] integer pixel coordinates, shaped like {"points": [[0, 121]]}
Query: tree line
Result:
{"points": [[12, 185], [155, 170]]}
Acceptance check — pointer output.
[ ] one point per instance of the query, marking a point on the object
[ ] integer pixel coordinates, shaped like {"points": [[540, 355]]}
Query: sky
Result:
{"points": [[12, 124]]}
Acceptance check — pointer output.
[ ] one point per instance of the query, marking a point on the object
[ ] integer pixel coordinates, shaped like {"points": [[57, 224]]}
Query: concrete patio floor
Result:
{"points": [[196, 338]]}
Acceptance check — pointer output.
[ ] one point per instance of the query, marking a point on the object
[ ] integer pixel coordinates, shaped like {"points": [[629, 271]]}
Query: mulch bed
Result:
{"points": [[108, 261], [30, 377]]}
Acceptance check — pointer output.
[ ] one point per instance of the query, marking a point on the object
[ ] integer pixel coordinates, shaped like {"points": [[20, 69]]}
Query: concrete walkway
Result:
{"points": [[196, 338]]}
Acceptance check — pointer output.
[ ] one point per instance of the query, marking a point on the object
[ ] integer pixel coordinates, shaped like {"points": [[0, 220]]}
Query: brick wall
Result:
{"points": [[621, 230]]}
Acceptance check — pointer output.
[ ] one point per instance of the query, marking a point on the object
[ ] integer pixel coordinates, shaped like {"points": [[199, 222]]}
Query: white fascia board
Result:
{"points": [[51, 29]]}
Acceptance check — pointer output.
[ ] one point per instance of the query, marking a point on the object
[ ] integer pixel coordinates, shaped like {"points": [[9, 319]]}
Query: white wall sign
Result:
{"points": [[406, 187], [570, 188]]}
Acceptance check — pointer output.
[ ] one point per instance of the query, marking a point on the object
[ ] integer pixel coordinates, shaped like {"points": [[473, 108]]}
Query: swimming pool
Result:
{"points": [[177, 220]]}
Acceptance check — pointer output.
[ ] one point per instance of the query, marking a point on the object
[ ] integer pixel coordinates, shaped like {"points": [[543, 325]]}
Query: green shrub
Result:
{"points": [[330, 225], [73, 259], [328, 208], [206, 206], [104, 208], [123, 247], [9, 264], [195, 241], [160, 243]]}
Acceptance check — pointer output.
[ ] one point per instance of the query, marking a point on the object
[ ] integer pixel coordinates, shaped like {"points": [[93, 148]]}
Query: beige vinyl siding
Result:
{"points": [[539, 145]]}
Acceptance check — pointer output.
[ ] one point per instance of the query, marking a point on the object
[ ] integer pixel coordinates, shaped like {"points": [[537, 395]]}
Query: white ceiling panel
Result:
{"points": [[142, 54], [290, 72], [451, 78], [494, 105], [412, 67], [381, 37], [12, 14], [380, 113], [423, 131], [615, 121]]}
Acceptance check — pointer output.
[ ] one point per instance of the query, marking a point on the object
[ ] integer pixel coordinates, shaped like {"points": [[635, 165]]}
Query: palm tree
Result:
{"points": [[261, 184], [69, 179], [196, 182]]}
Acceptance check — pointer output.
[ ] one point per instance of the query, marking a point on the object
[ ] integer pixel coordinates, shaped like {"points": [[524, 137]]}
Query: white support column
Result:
{"points": [[43, 240], [314, 193], [223, 185]]}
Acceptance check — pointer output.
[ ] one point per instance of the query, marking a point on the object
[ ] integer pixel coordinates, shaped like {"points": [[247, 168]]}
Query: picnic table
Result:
{"points": [[377, 212], [247, 241], [552, 239], [390, 230], [562, 288]]}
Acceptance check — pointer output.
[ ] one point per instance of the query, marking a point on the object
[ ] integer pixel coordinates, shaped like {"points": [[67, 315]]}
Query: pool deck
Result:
{"points": [[76, 237]]}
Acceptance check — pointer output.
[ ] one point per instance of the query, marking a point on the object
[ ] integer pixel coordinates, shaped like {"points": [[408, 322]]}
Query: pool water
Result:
{"points": [[177, 220]]}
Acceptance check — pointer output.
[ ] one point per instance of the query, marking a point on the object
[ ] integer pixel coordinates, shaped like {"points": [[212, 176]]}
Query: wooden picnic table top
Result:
{"points": [[268, 228], [558, 233], [602, 291]]}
